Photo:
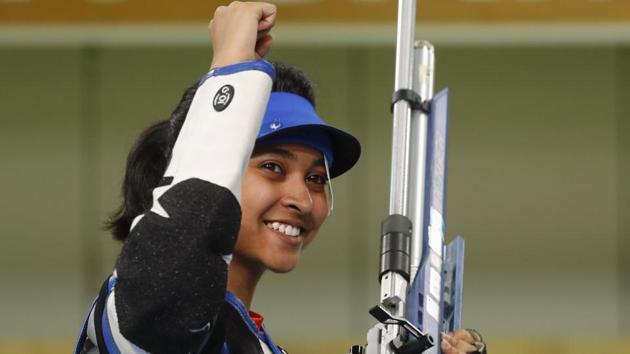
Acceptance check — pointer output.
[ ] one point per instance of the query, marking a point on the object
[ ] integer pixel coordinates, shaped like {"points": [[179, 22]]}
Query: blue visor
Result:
{"points": [[291, 119]]}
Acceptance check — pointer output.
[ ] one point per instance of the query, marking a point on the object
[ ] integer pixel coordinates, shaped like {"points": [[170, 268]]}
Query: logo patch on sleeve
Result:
{"points": [[223, 97]]}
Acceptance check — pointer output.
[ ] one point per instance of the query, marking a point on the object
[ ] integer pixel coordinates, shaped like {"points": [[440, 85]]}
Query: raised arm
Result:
{"points": [[170, 278]]}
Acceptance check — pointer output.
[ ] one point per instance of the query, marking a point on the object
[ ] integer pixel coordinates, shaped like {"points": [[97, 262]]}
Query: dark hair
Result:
{"points": [[150, 154]]}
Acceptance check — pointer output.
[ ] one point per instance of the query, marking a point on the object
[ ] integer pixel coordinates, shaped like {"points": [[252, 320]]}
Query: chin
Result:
{"points": [[281, 270], [282, 267]]}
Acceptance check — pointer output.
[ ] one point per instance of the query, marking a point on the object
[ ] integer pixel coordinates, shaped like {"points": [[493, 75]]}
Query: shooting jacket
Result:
{"points": [[167, 293]]}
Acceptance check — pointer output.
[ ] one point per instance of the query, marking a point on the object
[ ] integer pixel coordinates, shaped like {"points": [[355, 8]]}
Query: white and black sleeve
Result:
{"points": [[172, 271]]}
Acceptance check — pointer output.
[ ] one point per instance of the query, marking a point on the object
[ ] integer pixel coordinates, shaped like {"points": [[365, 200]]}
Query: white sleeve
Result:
{"points": [[214, 145]]}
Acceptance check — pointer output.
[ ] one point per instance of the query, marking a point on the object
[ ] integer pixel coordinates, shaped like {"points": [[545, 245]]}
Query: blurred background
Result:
{"points": [[539, 156]]}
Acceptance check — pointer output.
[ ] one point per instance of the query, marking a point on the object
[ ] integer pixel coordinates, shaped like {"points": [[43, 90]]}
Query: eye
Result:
{"points": [[271, 166], [317, 179]]}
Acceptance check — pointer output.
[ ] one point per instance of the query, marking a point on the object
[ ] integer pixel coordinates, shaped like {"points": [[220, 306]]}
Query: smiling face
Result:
{"points": [[283, 203]]}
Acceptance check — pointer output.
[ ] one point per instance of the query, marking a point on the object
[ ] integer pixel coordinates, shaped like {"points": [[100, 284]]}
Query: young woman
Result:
{"points": [[233, 184]]}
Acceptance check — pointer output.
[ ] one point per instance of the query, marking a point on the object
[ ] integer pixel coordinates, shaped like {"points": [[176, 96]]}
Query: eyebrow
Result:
{"points": [[285, 154]]}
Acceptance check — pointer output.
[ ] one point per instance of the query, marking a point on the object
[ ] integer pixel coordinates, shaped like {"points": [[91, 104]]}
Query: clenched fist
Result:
{"points": [[240, 32]]}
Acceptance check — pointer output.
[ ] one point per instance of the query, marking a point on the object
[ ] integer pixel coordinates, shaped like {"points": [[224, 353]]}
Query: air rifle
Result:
{"points": [[421, 277]]}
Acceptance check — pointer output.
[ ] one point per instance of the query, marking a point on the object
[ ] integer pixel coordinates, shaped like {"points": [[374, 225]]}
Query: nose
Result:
{"points": [[297, 196]]}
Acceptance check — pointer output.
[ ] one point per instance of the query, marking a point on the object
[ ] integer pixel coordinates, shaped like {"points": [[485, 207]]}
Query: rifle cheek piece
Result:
{"points": [[395, 245]]}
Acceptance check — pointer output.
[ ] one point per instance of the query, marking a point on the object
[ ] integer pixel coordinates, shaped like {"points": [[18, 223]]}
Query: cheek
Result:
{"points": [[321, 209], [254, 202], [256, 197], [320, 213]]}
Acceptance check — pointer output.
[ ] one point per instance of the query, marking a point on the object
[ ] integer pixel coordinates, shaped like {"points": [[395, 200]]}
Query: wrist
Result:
{"points": [[259, 65], [228, 59]]}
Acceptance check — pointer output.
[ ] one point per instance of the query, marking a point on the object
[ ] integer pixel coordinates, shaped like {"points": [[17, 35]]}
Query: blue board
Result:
{"points": [[434, 298]]}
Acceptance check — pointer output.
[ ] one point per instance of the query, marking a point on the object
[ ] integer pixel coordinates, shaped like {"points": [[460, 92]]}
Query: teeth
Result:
{"points": [[288, 230]]}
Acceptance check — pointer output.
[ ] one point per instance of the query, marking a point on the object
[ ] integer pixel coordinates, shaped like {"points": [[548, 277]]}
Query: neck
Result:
{"points": [[243, 278]]}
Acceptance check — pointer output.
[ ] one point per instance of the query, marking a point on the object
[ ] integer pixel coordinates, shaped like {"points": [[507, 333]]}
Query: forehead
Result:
{"points": [[290, 152]]}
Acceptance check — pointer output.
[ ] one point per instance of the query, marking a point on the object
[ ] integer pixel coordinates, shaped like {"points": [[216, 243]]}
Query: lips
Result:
{"points": [[286, 229]]}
